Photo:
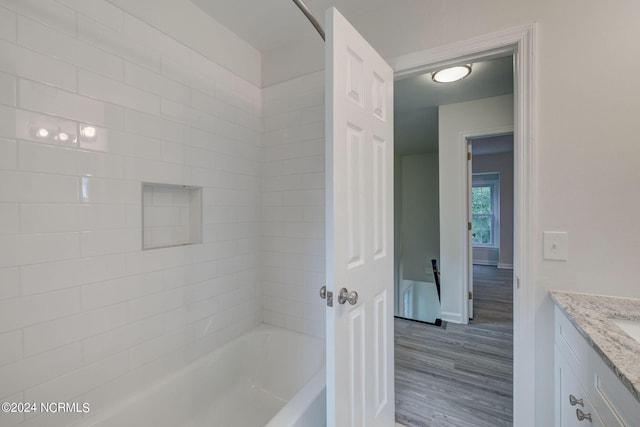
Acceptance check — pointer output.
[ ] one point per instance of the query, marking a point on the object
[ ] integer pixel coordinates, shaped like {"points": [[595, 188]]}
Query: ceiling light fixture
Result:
{"points": [[451, 74]]}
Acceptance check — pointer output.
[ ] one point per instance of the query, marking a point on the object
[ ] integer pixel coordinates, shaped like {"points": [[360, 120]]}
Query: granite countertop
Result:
{"points": [[592, 315]]}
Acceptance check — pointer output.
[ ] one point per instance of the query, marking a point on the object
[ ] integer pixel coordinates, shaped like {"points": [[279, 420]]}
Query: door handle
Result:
{"points": [[573, 401], [345, 296], [582, 416]]}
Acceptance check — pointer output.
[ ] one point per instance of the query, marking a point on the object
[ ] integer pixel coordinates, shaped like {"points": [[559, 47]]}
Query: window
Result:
{"points": [[485, 209]]}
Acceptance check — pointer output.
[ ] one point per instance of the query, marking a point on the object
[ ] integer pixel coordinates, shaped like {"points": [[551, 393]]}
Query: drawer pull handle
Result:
{"points": [[573, 401], [582, 416]]}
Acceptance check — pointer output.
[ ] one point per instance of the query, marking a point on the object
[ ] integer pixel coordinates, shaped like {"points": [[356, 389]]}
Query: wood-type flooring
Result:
{"points": [[459, 375]]}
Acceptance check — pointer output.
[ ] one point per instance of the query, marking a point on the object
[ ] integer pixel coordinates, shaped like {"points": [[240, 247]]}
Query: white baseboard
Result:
{"points": [[505, 266], [452, 317], [484, 262]]}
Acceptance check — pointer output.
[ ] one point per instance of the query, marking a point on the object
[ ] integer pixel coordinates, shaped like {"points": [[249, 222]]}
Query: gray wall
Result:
{"points": [[420, 216]]}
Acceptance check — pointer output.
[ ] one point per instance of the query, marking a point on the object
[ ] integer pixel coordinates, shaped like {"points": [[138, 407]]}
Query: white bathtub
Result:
{"points": [[267, 377]]}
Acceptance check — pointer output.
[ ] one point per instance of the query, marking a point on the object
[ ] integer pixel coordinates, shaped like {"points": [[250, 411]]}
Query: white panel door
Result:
{"points": [[359, 85]]}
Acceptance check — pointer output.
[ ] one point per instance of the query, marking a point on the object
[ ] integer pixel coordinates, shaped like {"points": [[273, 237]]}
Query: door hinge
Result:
{"points": [[469, 226], [470, 295], [468, 155]]}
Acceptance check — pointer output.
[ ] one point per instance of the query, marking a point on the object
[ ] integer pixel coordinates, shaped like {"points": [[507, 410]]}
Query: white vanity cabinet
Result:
{"points": [[588, 393]]}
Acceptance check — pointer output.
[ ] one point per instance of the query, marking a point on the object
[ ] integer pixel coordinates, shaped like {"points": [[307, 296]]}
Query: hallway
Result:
{"points": [[459, 375]]}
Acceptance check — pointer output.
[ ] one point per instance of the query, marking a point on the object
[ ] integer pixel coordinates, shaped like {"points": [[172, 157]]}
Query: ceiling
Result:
{"points": [[268, 24], [416, 101]]}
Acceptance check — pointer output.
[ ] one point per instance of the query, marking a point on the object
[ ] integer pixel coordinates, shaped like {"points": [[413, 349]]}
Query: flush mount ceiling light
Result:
{"points": [[452, 74]]}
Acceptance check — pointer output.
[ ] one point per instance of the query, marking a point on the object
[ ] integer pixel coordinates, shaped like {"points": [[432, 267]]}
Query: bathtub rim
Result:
{"points": [[296, 407]]}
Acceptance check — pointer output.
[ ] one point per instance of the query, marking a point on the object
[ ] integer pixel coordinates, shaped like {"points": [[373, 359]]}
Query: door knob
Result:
{"points": [[345, 296]]}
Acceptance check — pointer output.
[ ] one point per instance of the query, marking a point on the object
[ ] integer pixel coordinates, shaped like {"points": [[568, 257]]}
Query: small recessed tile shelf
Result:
{"points": [[171, 215]]}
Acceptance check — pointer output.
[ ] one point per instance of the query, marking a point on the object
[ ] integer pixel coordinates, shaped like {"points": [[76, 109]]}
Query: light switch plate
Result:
{"points": [[556, 245]]}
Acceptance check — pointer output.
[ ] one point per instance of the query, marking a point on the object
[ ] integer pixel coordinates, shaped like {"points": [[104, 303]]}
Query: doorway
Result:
{"points": [[482, 101], [490, 191], [427, 114], [518, 42]]}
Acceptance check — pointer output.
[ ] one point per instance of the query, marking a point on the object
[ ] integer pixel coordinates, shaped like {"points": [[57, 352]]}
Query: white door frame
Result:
{"points": [[521, 43], [468, 210]]}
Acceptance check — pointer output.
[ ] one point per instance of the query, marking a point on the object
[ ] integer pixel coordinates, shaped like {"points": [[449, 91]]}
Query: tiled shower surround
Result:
{"points": [[93, 102], [293, 199], [294, 204]]}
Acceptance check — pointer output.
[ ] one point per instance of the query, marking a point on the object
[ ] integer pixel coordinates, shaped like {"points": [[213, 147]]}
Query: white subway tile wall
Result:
{"points": [[293, 203], [93, 102]]}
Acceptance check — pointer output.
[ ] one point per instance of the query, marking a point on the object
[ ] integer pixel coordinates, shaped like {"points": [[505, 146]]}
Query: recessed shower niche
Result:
{"points": [[171, 215]]}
